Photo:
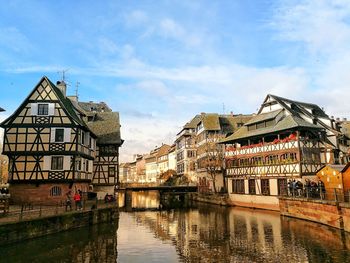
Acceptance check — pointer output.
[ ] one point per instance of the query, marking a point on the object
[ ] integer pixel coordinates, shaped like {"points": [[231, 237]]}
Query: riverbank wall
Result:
{"points": [[320, 211], [216, 199], [23, 230], [329, 213]]}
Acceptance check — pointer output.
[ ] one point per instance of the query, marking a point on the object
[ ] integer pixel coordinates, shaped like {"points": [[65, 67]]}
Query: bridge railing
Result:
{"points": [[318, 193], [28, 211]]}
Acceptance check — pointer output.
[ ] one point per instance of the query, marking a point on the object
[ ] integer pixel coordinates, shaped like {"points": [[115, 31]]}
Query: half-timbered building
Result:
{"points": [[49, 146], [286, 140], [103, 122]]}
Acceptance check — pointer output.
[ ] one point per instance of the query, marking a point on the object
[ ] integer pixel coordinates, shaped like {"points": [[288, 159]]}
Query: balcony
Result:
{"points": [[266, 170], [277, 145]]}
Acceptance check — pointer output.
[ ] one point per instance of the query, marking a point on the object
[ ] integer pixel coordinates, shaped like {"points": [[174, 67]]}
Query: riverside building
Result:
{"points": [[286, 140]]}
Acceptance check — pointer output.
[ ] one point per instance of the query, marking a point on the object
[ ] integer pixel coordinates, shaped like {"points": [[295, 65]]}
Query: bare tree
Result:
{"points": [[213, 158]]}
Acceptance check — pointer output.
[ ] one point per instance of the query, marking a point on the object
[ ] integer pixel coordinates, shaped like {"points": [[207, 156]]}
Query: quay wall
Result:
{"points": [[321, 211], [23, 230], [243, 200], [266, 202], [216, 199]]}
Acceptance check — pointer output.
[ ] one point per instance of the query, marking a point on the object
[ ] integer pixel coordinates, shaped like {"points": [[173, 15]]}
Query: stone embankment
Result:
{"points": [[216, 199], [321, 211], [19, 230], [331, 213]]}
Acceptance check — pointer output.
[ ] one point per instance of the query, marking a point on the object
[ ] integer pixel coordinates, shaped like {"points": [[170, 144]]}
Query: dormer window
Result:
{"points": [[43, 109], [59, 135]]}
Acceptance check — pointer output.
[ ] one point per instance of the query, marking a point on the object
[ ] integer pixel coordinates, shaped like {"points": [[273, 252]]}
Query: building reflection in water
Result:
{"points": [[147, 199], [203, 234], [89, 244], [218, 234]]}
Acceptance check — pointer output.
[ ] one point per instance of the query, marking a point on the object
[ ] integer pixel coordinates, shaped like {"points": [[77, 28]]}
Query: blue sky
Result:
{"points": [[161, 62]]}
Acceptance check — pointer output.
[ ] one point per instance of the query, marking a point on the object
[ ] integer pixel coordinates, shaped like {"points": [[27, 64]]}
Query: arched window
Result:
{"points": [[56, 191]]}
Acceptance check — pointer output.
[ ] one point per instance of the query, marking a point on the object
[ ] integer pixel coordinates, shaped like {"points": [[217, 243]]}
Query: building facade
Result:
{"points": [[50, 148], [52, 145], [210, 164], [286, 140], [105, 123], [186, 151]]}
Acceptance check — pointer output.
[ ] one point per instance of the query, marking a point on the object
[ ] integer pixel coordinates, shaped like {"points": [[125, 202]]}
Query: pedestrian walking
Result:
{"points": [[77, 200], [68, 201]]}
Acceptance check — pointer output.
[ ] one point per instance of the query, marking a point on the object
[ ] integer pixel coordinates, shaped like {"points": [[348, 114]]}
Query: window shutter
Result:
{"points": [[53, 132], [51, 109], [47, 163], [67, 134], [91, 163], [34, 109], [66, 163]]}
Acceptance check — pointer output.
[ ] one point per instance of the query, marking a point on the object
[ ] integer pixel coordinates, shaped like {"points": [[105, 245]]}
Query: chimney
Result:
{"points": [[62, 87], [345, 119]]}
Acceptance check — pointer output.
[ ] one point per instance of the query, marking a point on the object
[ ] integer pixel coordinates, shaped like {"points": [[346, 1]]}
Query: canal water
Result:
{"points": [[200, 234]]}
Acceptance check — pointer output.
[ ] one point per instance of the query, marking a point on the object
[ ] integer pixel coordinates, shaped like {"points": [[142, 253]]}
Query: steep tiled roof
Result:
{"points": [[286, 123], [193, 123], [67, 103], [210, 121], [264, 117], [94, 106], [230, 123], [300, 106], [107, 127], [163, 150]]}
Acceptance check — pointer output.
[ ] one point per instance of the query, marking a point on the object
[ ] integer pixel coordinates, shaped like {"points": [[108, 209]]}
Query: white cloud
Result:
{"points": [[322, 28], [136, 18], [107, 46], [320, 24], [11, 38], [141, 135]]}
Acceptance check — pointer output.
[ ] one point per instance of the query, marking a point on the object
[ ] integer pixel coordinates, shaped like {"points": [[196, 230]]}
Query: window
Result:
{"points": [[265, 186], [56, 191], [191, 154], [180, 168], [86, 165], [238, 186], [57, 163], [251, 184], [260, 125], [282, 186], [252, 127], [59, 135], [78, 163], [43, 109], [111, 171], [83, 138]]}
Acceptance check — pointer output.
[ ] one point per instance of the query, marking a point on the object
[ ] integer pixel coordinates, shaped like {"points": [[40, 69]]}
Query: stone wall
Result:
{"points": [[320, 211], [216, 199], [267, 202], [40, 193], [23, 230]]}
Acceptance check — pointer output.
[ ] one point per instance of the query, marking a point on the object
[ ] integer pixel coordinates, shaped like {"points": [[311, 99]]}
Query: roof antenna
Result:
{"points": [[77, 88], [63, 74], [223, 108]]}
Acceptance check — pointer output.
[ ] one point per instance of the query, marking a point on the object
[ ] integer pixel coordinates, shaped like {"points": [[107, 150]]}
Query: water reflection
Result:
{"points": [[205, 234], [95, 244], [147, 199]]}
